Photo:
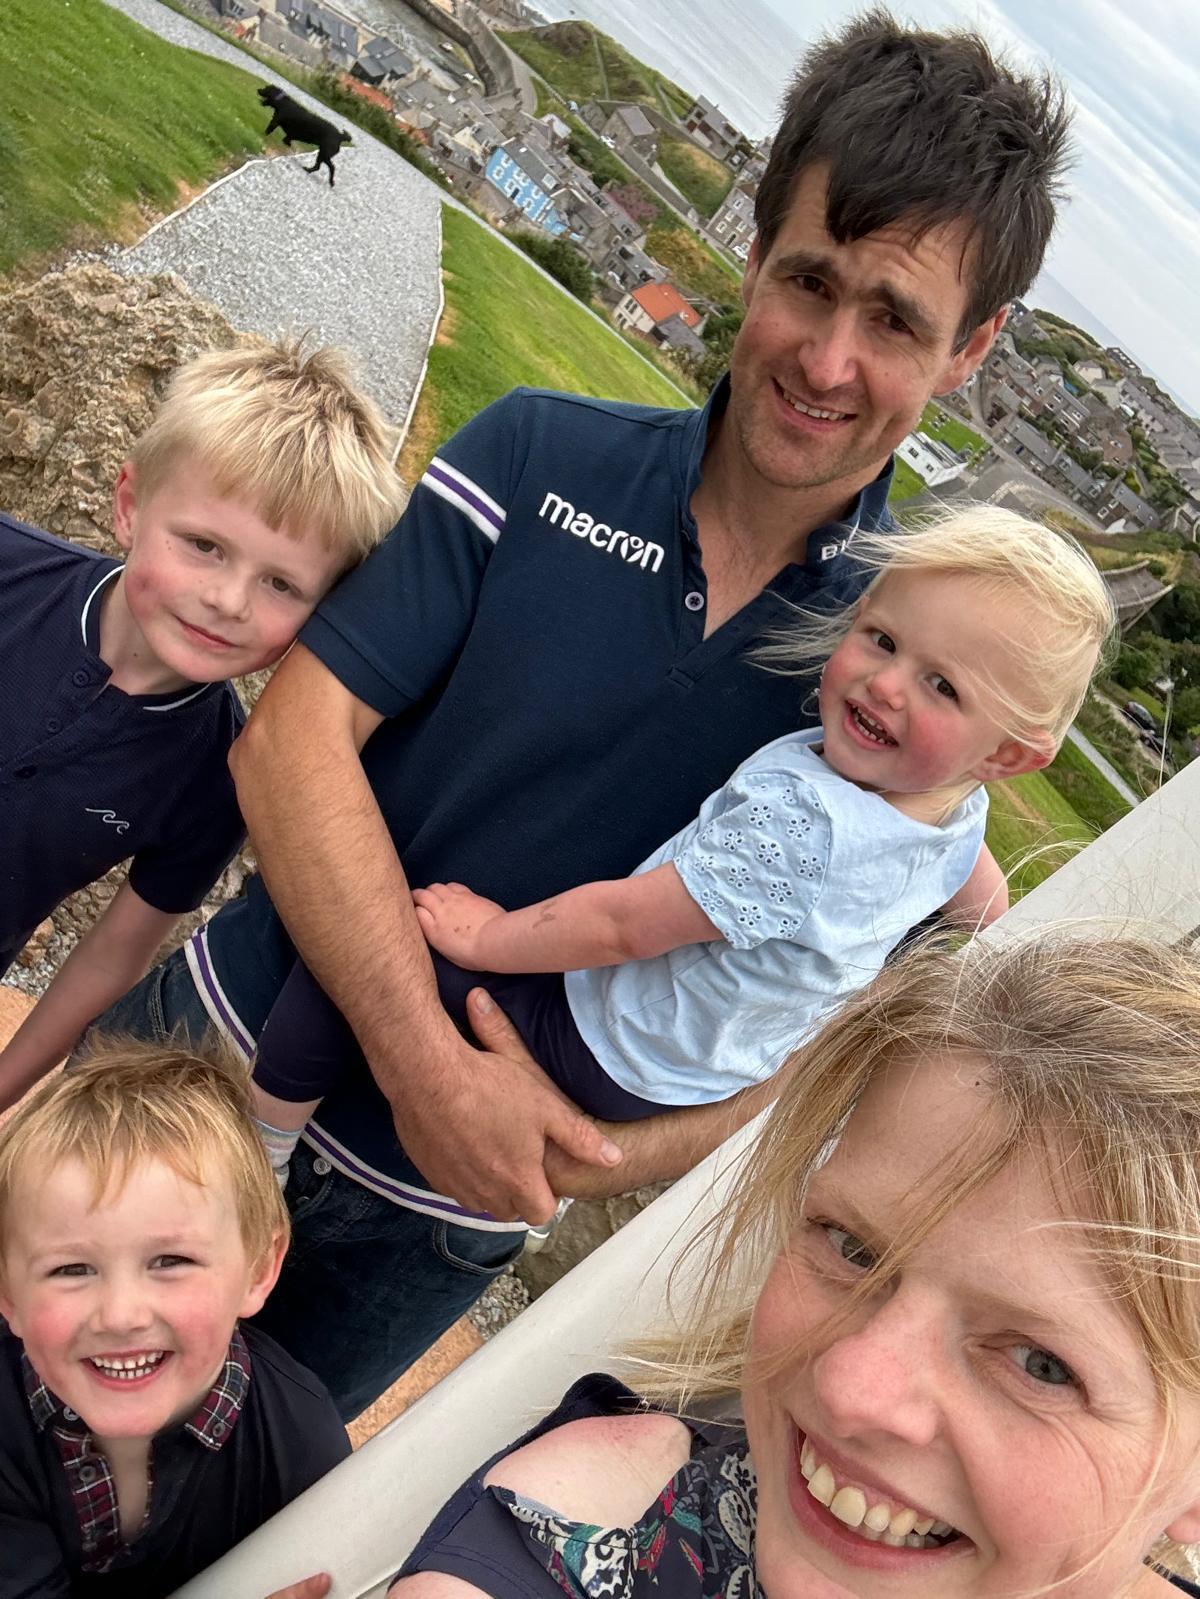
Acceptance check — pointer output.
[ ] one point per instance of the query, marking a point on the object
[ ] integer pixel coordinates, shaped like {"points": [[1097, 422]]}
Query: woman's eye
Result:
{"points": [[852, 1250], [944, 687], [1042, 1366]]}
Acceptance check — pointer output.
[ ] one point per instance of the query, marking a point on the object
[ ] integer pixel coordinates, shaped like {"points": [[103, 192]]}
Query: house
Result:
{"points": [[531, 192], [628, 264], [631, 130], [1090, 371], [646, 308], [557, 132], [382, 63], [1104, 431], [290, 39], [1026, 442], [1067, 409], [241, 15], [1124, 363], [732, 224], [1023, 322], [1120, 508], [712, 128], [675, 334], [930, 459]]}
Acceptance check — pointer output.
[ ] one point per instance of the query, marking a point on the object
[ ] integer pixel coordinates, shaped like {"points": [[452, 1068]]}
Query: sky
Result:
{"points": [[1128, 244]]}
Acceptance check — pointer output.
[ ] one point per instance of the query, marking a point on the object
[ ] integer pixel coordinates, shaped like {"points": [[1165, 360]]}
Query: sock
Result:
{"points": [[278, 1143]]}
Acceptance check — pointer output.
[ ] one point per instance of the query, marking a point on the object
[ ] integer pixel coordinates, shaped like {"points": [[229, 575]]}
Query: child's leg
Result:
{"points": [[303, 1051]]}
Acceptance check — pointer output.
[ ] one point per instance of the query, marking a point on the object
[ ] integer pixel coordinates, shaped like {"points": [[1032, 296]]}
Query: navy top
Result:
{"points": [[90, 775], [533, 631], [696, 1541], [211, 1487]]}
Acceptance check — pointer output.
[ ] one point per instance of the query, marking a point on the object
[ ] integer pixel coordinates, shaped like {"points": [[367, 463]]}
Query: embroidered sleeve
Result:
{"points": [[757, 868]]}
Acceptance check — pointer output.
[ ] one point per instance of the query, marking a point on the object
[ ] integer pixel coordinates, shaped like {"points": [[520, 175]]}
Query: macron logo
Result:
{"points": [[636, 551]]}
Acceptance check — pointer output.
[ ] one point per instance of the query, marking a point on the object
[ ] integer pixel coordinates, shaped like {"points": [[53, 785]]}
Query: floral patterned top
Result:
{"points": [[696, 1541]]}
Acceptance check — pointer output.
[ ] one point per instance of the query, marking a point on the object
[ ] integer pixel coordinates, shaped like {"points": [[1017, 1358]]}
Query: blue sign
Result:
{"points": [[516, 185]]}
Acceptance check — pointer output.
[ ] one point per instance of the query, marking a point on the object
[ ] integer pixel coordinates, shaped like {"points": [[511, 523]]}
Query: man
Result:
{"points": [[545, 672]]}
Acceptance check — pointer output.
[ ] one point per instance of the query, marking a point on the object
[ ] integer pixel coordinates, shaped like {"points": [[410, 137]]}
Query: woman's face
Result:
{"points": [[992, 1389]]}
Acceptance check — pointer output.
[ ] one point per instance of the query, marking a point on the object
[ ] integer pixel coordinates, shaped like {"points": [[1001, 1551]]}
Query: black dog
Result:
{"points": [[297, 123]]}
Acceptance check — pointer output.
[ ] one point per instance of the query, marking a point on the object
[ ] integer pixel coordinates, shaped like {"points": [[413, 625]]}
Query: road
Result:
{"points": [[1105, 768]]}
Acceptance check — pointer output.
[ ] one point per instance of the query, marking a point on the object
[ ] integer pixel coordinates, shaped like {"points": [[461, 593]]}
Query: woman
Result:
{"points": [[972, 1364]]}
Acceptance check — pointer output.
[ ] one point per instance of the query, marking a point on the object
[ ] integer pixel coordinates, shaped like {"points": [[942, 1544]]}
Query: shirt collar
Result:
{"points": [[89, 628], [826, 544], [210, 1424]]}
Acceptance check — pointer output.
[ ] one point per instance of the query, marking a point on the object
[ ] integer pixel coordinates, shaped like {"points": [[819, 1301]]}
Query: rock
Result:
{"points": [[586, 1225], [37, 944]]}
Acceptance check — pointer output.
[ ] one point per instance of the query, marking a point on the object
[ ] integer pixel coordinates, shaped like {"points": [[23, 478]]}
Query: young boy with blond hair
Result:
{"points": [[143, 1431], [265, 475]]}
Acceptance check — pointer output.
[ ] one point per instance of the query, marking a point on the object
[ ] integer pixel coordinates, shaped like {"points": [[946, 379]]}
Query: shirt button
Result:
{"points": [[25, 771], [69, 1414], [87, 1474], [218, 1429], [321, 1166], [695, 601], [54, 725], [80, 679]]}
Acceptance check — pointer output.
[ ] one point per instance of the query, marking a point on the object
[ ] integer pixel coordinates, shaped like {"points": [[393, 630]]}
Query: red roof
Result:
{"points": [[366, 91], [661, 300]]}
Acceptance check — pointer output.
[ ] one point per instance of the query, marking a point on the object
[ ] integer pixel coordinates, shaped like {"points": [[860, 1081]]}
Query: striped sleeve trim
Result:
{"points": [[456, 489]]}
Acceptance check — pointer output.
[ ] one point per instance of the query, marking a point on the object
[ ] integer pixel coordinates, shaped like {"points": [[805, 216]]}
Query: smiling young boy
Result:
{"points": [[264, 476], [143, 1432]]}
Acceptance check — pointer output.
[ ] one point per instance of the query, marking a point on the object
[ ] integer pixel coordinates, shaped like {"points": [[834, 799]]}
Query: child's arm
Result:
{"points": [[982, 899], [108, 960], [598, 924]]}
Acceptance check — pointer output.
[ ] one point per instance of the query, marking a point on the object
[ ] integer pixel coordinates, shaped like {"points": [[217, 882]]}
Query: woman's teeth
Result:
{"points": [[126, 1368], [878, 1523]]}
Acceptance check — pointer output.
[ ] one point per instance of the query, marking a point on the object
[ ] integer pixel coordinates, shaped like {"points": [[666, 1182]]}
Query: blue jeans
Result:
{"points": [[367, 1285]]}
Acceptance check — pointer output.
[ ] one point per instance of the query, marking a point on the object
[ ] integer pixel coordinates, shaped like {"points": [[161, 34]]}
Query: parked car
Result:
{"points": [[1156, 745], [1139, 715]]}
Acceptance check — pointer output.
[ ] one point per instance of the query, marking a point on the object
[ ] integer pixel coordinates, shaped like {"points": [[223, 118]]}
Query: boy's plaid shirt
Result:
{"points": [[93, 1490]]}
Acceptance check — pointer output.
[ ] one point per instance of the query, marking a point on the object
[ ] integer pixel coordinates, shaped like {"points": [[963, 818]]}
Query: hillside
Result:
{"points": [[136, 123], [582, 63]]}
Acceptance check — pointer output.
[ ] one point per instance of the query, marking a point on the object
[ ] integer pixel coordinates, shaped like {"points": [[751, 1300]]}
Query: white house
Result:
{"points": [[930, 459]]}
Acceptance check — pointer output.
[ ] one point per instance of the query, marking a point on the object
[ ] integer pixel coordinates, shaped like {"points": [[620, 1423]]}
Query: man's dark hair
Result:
{"points": [[928, 129]]}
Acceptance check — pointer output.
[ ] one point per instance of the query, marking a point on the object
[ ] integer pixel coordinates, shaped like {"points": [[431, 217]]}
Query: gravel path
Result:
{"points": [[279, 251]]}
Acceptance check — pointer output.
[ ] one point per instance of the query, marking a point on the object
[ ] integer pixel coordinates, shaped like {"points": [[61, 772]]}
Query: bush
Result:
{"points": [[327, 86], [560, 258]]}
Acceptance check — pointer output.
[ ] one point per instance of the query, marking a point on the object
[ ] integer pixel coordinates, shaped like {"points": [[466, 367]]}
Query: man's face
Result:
{"points": [[843, 344]]}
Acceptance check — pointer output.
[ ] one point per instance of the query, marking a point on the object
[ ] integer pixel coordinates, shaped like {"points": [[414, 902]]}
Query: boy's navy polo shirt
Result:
{"points": [[90, 775], [203, 1500], [533, 629]]}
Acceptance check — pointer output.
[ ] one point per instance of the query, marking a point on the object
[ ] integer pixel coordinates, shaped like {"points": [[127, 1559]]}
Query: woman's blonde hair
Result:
{"points": [[284, 428], [129, 1102], [1091, 1053], [1046, 576]]}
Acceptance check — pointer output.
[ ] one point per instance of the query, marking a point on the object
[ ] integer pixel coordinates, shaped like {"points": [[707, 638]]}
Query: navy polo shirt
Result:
{"points": [[533, 631], [89, 775], [208, 1492]]}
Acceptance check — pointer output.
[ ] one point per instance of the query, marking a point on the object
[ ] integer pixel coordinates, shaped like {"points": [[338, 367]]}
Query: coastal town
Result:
{"points": [[1052, 420]]}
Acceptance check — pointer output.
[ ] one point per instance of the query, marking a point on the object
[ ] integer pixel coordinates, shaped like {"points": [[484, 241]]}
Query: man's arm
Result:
{"points": [[982, 899], [597, 924], [108, 960], [472, 1122], [655, 1149]]}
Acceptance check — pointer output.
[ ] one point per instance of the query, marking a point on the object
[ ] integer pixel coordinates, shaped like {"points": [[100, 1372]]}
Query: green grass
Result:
{"points": [[1032, 829], [1089, 793], [101, 120], [699, 177], [505, 325], [582, 63], [692, 262], [1118, 744], [955, 435], [905, 483]]}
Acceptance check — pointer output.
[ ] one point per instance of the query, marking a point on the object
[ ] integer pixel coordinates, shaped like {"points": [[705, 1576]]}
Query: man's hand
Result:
{"points": [[482, 1136], [454, 920]]}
